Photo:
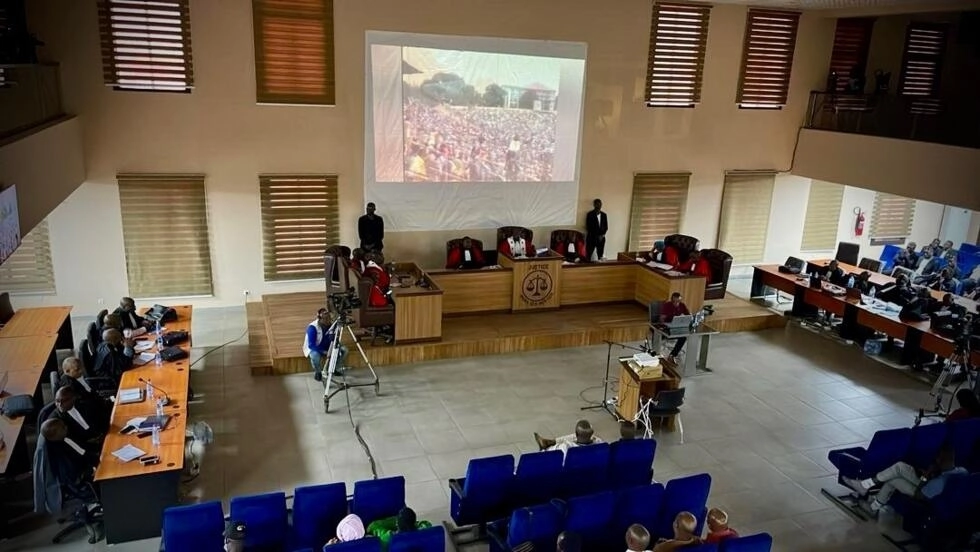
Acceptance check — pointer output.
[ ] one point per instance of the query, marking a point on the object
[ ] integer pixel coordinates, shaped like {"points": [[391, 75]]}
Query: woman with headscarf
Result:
{"points": [[349, 529]]}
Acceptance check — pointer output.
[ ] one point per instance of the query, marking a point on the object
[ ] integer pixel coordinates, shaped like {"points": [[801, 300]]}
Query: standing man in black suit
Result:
{"points": [[371, 230], [596, 225]]}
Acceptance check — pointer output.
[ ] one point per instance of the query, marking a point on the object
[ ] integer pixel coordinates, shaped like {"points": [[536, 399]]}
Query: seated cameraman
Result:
{"points": [[316, 345]]}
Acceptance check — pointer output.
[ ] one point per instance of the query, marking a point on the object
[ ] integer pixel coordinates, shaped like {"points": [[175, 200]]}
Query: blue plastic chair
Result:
{"points": [[637, 505], [376, 499], [964, 436], [713, 547], [631, 462], [265, 517], [538, 478], [367, 544], [586, 470], [485, 493], [685, 494], [591, 517], [195, 527], [925, 444], [886, 447], [539, 525], [317, 509], [761, 542], [887, 258], [432, 539]]}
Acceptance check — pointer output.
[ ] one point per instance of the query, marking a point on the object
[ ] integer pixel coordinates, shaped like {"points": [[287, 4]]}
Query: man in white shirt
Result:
{"points": [[584, 435]]}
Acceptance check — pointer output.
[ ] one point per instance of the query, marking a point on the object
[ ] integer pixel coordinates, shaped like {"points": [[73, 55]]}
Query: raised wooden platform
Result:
{"points": [[276, 326]]}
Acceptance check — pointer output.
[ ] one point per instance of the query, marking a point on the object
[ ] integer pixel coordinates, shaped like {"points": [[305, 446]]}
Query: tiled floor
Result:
{"points": [[761, 425]]}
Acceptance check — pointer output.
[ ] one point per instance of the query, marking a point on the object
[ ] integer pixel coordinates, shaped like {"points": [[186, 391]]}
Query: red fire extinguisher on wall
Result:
{"points": [[859, 221]]}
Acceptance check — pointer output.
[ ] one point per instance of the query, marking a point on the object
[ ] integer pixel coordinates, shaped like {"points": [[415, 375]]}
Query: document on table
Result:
{"points": [[128, 453], [143, 358], [143, 346], [661, 266]]}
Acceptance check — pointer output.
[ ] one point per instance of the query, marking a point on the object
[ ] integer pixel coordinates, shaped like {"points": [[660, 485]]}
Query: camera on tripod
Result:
{"points": [[343, 303]]}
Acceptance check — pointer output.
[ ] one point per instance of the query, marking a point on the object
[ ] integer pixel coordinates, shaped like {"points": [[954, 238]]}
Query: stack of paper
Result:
{"points": [[134, 394], [143, 345], [128, 453], [645, 360], [143, 358]]}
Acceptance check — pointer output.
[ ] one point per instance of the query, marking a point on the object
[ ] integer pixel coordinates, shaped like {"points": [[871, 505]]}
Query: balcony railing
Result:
{"points": [[955, 123], [30, 95]]}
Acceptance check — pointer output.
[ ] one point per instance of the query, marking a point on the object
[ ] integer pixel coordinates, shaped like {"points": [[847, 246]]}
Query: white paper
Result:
{"points": [[143, 358], [132, 394], [661, 266], [143, 346], [466, 255], [128, 453]]}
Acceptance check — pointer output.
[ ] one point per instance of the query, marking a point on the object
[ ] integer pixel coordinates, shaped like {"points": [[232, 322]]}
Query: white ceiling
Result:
{"points": [[831, 4]]}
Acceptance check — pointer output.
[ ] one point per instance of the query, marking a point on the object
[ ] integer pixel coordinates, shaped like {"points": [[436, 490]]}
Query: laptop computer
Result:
{"points": [[680, 324]]}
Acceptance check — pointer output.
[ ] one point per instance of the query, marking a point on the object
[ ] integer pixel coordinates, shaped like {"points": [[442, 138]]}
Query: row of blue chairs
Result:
{"points": [[493, 487], [316, 511]]}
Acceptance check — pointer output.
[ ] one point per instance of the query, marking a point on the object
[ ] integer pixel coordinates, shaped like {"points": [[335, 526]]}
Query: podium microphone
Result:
{"points": [[166, 396]]}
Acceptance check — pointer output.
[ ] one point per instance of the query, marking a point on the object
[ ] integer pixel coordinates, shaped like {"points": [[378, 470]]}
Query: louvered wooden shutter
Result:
{"points": [[767, 58], [925, 47], [294, 51], [146, 45], [745, 205], [851, 43], [822, 216], [165, 234], [891, 218], [29, 269], [678, 42], [659, 200], [300, 218]]}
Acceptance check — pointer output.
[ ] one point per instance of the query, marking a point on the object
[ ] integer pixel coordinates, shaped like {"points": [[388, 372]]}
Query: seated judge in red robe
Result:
{"points": [[465, 255], [357, 261], [516, 246], [382, 281], [572, 250], [697, 265], [671, 256]]}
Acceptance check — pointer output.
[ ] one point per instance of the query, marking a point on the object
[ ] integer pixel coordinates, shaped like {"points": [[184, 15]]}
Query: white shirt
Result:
{"points": [[74, 446], [517, 247], [77, 416]]}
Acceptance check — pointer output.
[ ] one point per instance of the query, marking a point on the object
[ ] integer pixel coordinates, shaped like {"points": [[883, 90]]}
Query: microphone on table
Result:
{"points": [[166, 396]]}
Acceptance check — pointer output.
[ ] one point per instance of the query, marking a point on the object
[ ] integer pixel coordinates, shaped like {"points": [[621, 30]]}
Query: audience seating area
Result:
{"points": [[967, 258]]}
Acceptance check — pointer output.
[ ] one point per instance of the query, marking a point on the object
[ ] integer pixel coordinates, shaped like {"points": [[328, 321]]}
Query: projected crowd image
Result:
{"points": [[478, 117]]}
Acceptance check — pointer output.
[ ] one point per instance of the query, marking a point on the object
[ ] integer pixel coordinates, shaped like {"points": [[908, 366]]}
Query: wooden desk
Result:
{"points": [[418, 310], [134, 496], [653, 283], [470, 291], [537, 281], [603, 282], [40, 321], [19, 382], [25, 359], [635, 388]]}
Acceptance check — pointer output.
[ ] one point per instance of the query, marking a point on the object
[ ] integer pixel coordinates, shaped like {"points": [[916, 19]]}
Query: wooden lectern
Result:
{"points": [[537, 281], [635, 386]]}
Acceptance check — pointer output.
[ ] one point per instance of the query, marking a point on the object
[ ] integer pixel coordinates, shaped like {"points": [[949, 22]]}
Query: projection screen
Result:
{"points": [[471, 132]]}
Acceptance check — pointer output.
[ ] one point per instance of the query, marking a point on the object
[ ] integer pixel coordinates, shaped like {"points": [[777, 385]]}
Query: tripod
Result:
{"points": [[960, 359], [606, 401], [330, 385]]}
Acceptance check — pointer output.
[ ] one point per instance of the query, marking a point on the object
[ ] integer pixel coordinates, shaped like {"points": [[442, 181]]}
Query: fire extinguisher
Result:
{"points": [[859, 221]]}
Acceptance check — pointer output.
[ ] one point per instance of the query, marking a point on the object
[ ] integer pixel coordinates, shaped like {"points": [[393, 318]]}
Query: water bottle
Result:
{"points": [[850, 282], [158, 358], [871, 292], [155, 435], [149, 390], [160, 409]]}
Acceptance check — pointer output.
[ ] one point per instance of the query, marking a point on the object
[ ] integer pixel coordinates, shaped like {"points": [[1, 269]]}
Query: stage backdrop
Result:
{"points": [[470, 132]]}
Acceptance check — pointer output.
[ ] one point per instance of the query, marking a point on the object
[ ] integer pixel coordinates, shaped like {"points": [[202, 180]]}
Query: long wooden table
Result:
{"points": [[134, 496], [27, 353], [418, 309]]}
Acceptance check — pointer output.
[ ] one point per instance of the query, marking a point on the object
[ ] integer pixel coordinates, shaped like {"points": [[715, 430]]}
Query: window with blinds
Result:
{"points": [[300, 218], [891, 219], [659, 200], [146, 45], [925, 47], [294, 51], [165, 234], [29, 269], [678, 42], [852, 40], [767, 58], [822, 216], [745, 205]]}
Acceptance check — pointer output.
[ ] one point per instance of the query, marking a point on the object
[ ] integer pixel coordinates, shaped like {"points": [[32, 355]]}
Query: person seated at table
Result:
{"points": [[718, 529], [126, 311], [584, 435], [87, 422], [834, 274], [901, 293], [112, 320], [351, 528], [918, 309], [114, 355], [906, 258], [941, 281], [73, 375], [465, 255], [670, 309], [516, 246], [381, 289], [656, 253], [573, 251], [405, 522], [696, 265], [905, 479], [927, 266], [685, 524], [357, 262], [863, 283], [70, 462], [671, 256]]}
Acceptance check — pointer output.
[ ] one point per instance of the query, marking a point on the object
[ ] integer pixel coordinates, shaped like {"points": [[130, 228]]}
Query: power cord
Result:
{"points": [[357, 433], [219, 347]]}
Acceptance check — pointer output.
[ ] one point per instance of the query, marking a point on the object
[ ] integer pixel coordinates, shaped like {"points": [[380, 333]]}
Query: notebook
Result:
{"points": [[130, 396]]}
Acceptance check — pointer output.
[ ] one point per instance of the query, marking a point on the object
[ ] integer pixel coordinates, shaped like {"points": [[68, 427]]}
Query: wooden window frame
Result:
{"points": [[678, 46], [304, 79], [300, 218], [657, 195], [760, 85]]}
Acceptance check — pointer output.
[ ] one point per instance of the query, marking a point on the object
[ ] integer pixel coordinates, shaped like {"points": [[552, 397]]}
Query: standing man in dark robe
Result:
{"points": [[371, 230], [596, 225]]}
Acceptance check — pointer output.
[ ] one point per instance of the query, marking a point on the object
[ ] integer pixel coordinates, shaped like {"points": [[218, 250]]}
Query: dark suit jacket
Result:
{"points": [[594, 226], [69, 466], [111, 362], [371, 232], [96, 418], [130, 320]]}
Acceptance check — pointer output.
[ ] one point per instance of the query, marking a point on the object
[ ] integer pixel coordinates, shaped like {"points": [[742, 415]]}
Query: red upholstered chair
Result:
{"points": [[683, 244], [372, 318], [505, 232], [456, 243], [721, 266], [561, 238]]}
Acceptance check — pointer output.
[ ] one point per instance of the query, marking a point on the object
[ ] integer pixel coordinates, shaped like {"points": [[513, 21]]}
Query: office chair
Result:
{"points": [[373, 319], [88, 514], [871, 265], [847, 252], [665, 404]]}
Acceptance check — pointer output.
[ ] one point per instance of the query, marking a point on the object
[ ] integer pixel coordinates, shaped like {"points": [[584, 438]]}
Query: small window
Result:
{"points": [[29, 269], [745, 205], [300, 218], [767, 58], [891, 219], [852, 41], [822, 216], [659, 201], [925, 47], [294, 59], [146, 45], [165, 234], [678, 42]]}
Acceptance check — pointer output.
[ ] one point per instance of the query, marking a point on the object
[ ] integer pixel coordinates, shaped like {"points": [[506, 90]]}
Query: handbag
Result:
{"points": [[17, 406]]}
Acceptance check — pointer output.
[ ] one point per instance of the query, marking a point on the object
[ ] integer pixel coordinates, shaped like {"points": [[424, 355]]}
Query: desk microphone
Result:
{"points": [[166, 396]]}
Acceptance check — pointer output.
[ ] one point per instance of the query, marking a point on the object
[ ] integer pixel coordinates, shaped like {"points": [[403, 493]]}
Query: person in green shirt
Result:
{"points": [[405, 521]]}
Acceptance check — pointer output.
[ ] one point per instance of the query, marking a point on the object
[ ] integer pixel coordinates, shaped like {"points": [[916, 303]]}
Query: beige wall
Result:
{"points": [[220, 131]]}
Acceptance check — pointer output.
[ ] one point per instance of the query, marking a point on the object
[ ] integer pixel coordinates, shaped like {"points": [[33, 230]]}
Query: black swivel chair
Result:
{"points": [[6, 309], [666, 404], [871, 265], [847, 252]]}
